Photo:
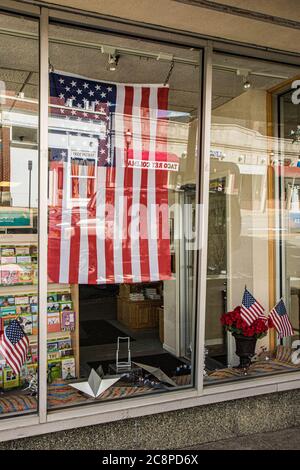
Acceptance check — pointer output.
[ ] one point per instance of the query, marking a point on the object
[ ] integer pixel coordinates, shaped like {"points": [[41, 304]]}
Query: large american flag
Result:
{"points": [[14, 345], [251, 309], [108, 216], [281, 320]]}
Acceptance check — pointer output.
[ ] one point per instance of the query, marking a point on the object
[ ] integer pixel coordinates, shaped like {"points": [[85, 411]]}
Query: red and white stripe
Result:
{"points": [[249, 315], [121, 234], [281, 323], [14, 354]]}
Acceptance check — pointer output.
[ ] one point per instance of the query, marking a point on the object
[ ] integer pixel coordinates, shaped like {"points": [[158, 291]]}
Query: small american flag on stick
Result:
{"points": [[281, 320], [14, 345], [251, 309]]}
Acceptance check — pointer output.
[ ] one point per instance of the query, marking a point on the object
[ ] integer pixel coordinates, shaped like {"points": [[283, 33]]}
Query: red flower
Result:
{"points": [[232, 321]]}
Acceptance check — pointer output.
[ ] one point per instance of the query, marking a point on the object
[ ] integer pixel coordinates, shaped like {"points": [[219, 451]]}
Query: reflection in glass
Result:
{"points": [[250, 235], [122, 186], [18, 216]]}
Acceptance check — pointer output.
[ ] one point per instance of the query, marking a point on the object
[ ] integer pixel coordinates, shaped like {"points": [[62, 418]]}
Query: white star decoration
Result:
{"points": [[95, 385]]}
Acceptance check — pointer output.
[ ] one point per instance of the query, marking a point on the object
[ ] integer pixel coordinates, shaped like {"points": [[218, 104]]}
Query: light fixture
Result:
{"points": [[50, 66], [113, 57], [112, 62], [244, 73], [246, 84]]}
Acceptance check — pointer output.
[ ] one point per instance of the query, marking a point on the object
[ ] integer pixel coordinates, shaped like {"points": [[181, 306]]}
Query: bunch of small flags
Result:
{"points": [[252, 310]]}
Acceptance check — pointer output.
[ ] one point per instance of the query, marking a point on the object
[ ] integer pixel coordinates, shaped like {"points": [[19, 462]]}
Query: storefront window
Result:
{"points": [[122, 191], [253, 229], [19, 68]]}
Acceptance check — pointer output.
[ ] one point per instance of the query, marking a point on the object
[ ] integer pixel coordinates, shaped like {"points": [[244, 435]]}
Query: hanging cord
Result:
{"points": [[51, 67], [169, 73]]}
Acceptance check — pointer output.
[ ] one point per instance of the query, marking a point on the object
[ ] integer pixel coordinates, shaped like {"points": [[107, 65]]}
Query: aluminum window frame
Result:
{"points": [[45, 421]]}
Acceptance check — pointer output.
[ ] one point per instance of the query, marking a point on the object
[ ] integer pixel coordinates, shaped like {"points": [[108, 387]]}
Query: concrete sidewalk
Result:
{"points": [[287, 439]]}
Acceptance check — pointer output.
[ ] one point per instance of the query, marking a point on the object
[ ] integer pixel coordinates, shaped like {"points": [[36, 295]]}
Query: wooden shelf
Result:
{"points": [[18, 238], [33, 339], [31, 289]]}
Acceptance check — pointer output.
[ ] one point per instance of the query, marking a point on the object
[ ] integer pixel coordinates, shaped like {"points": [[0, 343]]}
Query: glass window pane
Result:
{"points": [[122, 192], [253, 221], [19, 78]]}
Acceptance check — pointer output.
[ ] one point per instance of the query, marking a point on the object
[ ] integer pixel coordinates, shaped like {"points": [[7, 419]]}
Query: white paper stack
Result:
{"points": [[136, 296], [151, 293]]}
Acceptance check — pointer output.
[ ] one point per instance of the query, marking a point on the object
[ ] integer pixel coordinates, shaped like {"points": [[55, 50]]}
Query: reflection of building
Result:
{"points": [[76, 134]]}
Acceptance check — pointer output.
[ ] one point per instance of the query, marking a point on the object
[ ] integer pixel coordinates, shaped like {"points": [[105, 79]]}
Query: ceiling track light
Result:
{"points": [[246, 83], [113, 60], [244, 73], [113, 57]]}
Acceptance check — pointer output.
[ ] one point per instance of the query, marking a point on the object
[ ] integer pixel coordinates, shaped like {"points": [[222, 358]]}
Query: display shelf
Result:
{"points": [[27, 290], [18, 238], [138, 314], [33, 339], [32, 288]]}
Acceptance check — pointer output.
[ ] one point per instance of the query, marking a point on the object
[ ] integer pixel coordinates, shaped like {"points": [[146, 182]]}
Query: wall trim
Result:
{"points": [[237, 11], [66, 14]]}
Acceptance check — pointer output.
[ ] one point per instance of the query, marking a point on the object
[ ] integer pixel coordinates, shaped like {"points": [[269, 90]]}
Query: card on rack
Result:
{"points": [[8, 260], [54, 367], [33, 299], [52, 346], [9, 275], [65, 297], [68, 371], [52, 297], [53, 355], [21, 309], [34, 324], [7, 301], [53, 322], [21, 299], [68, 320], [52, 307], [8, 311], [21, 250], [25, 274], [23, 259], [10, 379], [66, 306], [8, 251], [25, 321], [35, 274], [33, 250], [64, 344], [33, 308], [32, 354]]}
